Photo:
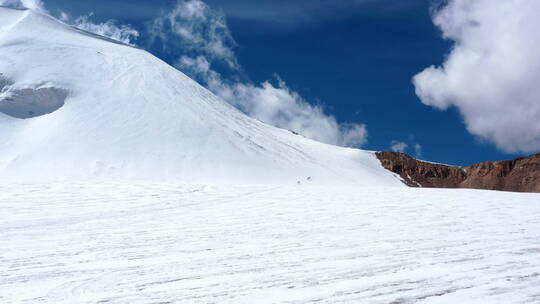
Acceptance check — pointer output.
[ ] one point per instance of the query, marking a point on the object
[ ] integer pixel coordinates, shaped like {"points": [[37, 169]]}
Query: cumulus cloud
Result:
{"points": [[492, 74], [278, 105], [200, 37], [123, 33], [398, 146]]}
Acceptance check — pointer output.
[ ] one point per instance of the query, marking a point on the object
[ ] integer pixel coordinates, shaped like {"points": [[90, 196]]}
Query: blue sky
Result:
{"points": [[354, 58]]}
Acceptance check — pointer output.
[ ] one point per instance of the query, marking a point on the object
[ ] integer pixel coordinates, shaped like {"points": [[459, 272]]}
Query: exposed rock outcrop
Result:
{"points": [[520, 175]]}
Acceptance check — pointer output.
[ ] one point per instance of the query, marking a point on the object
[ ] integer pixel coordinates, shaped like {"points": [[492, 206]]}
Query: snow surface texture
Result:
{"points": [[144, 243], [77, 106]]}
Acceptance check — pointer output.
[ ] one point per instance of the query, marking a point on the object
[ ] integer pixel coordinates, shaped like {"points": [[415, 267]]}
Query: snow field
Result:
{"points": [[166, 243]]}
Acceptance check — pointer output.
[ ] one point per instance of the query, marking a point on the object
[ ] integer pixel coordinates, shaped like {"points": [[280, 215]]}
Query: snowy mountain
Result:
{"points": [[87, 127], [74, 105]]}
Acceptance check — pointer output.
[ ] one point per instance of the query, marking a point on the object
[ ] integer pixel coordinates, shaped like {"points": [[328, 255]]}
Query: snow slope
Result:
{"points": [[78, 106], [144, 243]]}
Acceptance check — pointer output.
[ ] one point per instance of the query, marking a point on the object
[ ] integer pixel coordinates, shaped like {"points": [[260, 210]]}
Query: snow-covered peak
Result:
{"points": [[74, 105]]}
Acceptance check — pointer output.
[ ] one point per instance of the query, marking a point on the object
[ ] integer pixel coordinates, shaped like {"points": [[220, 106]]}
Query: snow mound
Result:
{"points": [[97, 109]]}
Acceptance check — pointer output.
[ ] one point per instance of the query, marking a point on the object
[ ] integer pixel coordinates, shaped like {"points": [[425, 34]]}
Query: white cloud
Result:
{"points": [[492, 74], [401, 146], [200, 37], [199, 65], [277, 105], [123, 33], [417, 150], [198, 29], [398, 146]]}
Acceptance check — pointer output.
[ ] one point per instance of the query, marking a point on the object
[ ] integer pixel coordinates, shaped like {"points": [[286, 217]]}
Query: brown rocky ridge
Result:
{"points": [[519, 175]]}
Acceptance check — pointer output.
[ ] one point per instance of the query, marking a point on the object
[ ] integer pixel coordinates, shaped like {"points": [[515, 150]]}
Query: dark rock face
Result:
{"points": [[520, 175]]}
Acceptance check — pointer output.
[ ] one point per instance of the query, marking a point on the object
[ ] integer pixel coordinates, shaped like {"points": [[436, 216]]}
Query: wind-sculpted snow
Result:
{"points": [[114, 112], [31, 102], [147, 243]]}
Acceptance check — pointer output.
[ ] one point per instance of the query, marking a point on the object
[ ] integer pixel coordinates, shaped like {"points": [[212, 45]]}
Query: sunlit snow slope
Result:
{"points": [[89, 243], [78, 106]]}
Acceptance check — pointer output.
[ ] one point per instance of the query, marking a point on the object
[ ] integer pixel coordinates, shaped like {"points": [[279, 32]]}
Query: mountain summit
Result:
{"points": [[75, 105]]}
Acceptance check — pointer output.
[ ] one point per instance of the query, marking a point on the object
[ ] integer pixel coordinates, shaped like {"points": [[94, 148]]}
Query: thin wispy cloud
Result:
{"points": [[283, 14], [406, 147], [492, 73], [398, 146], [199, 37], [119, 32], [417, 150], [111, 29], [197, 29]]}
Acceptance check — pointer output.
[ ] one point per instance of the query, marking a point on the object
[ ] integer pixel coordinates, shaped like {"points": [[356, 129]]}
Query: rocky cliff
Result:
{"points": [[520, 175]]}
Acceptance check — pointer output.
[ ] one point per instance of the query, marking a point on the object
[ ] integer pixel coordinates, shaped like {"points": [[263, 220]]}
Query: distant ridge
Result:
{"points": [[519, 175]]}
